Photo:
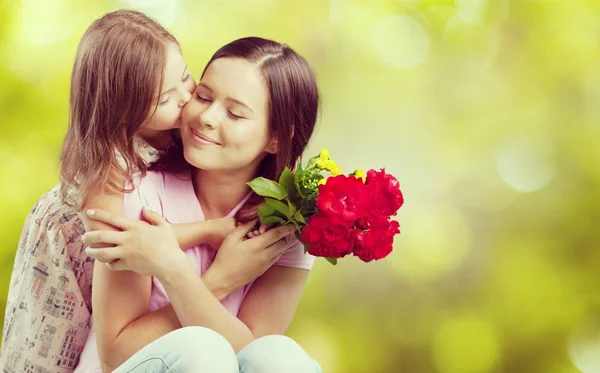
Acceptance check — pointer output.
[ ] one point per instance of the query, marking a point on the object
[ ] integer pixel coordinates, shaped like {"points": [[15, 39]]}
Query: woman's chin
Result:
{"points": [[198, 159]]}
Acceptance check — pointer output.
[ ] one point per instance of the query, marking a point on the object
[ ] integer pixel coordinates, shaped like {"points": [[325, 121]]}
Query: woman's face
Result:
{"points": [[177, 88], [225, 126]]}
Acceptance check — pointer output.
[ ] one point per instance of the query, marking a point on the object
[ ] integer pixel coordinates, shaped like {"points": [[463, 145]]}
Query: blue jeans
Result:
{"points": [[200, 350]]}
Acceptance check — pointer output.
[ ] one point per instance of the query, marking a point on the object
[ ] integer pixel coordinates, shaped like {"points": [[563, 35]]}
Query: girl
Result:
{"points": [[128, 87], [251, 115]]}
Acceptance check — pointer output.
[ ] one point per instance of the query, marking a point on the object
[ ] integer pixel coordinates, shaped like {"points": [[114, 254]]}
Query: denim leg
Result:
{"points": [[276, 354], [187, 350]]}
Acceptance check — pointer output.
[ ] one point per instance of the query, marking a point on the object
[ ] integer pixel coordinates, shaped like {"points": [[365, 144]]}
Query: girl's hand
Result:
{"points": [[257, 232], [217, 230]]}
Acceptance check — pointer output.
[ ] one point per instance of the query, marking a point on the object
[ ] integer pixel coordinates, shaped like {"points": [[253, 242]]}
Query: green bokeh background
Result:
{"points": [[487, 111]]}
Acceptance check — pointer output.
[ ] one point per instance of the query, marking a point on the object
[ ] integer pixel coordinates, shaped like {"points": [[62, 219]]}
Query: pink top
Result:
{"points": [[173, 197]]}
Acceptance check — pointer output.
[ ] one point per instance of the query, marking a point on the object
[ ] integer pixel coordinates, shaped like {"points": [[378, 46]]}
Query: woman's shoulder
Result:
{"points": [[150, 180], [146, 190], [158, 190]]}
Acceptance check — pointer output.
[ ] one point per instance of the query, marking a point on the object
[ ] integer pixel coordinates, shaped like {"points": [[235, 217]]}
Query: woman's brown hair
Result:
{"points": [[293, 108], [116, 76]]}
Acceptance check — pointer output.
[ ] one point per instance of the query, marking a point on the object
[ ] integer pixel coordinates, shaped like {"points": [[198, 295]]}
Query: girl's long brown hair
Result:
{"points": [[116, 76]]}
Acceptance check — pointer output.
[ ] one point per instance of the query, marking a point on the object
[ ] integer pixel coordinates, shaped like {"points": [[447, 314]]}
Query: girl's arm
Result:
{"points": [[211, 232]]}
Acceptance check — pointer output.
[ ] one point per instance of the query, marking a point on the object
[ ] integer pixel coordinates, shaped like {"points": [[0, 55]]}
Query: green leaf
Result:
{"points": [[305, 248], [271, 220], [331, 260], [297, 178], [279, 207], [286, 180], [292, 208], [298, 189], [267, 188], [299, 218], [299, 173], [265, 210]]}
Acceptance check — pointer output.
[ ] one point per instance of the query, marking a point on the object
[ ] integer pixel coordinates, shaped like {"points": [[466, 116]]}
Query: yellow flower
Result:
{"points": [[360, 173], [322, 164], [322, 181], [335, 170], [330, 164], [324, 154], [332, 167]]}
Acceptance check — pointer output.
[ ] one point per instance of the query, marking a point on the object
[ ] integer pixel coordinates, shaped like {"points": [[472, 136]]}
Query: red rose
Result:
{"points": [[377, 241], [385, 196], [357, 237], [327, 237], [343, 197]]}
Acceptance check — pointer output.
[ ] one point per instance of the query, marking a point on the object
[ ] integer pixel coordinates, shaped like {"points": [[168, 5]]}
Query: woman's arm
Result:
{"points": [[196, 300], [268, 308], [118, 297], [271, 303], [195, 305]]}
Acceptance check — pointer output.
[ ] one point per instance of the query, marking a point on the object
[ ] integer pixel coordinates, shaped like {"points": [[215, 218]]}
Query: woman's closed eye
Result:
{"points": [[234, 116], [202, 98]]}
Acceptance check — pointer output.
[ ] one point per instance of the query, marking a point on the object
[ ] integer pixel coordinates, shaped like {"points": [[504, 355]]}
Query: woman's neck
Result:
{"points": [[219, 192]]}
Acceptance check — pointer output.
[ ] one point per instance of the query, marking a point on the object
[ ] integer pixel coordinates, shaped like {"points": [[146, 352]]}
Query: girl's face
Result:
{"points": [[177, 88], [225, 126]]}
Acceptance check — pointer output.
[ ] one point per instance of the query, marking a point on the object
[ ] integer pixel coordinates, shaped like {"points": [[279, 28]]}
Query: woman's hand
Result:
{"points": [[147, 248], [240, 261]]}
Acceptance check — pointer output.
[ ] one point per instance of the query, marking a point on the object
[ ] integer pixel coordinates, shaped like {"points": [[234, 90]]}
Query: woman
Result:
{"points": [[251, 115]]}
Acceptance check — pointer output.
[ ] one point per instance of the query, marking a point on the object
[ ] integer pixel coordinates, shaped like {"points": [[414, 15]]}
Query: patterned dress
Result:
{"points": [[48, 311]]}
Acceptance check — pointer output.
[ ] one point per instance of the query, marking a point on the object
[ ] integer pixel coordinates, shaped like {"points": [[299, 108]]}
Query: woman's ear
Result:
{"points": [[273, 146]]}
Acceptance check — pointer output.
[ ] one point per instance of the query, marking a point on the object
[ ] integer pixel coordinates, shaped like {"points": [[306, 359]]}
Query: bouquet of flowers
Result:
{"points": [[336, 215]]}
